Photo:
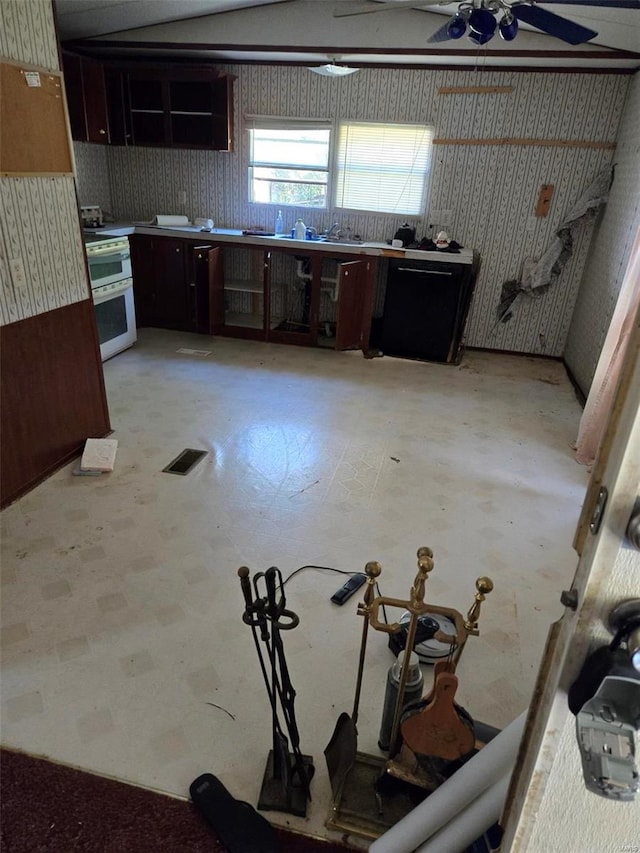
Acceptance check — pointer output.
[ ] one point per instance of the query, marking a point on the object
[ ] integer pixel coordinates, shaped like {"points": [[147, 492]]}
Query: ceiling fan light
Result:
{"points": [[508, 27], [332, 70], [482, 22], [456, 27], [480, 38]]}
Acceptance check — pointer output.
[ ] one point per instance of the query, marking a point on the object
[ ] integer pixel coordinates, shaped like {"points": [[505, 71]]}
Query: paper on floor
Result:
{"points": [[99, 454]]}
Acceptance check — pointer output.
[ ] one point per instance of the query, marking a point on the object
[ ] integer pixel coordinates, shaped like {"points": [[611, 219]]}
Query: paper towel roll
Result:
{"points": [[171, 220]]}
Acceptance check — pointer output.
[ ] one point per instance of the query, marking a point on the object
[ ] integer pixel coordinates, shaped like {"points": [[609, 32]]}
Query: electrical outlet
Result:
{"points": [[17, 272], [530, 226]]}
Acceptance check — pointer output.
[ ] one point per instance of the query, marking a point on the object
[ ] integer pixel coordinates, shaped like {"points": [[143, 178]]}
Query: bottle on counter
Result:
{"points": [[300, 230], [279, 223], [412, 691]]}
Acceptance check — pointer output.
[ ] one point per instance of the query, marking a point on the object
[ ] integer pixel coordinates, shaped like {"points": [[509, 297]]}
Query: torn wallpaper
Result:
{"points": [[539, 277]]}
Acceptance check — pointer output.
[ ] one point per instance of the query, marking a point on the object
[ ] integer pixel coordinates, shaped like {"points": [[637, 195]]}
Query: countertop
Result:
{"points": [[235, 235]]}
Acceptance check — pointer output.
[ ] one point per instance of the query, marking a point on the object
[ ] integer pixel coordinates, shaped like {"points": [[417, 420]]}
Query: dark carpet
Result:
{"points": [[50, 807]]}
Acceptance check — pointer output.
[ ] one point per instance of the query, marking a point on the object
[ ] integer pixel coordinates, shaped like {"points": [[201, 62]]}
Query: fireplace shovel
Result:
{"points": [[340, 752]]}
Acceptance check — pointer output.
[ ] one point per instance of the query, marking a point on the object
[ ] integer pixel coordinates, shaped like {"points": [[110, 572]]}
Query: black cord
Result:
{"points": [[337, 571], [321, 568]]}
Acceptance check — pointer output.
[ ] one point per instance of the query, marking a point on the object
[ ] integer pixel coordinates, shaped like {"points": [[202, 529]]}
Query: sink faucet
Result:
{"points": [[337, 233]]}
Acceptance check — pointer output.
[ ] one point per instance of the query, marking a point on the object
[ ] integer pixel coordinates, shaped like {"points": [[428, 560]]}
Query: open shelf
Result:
{"points": [[244, 286]]}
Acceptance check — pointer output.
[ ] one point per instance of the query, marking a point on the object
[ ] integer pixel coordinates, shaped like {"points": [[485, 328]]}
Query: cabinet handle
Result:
{"points": [[192, 284], [102, 132], [178, 249]]}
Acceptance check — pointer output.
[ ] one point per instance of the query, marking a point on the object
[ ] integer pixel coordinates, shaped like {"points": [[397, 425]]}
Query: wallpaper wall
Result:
{"points": [[492, 190], [38, 216], [92, 175], [610, 251], [27, 32]]}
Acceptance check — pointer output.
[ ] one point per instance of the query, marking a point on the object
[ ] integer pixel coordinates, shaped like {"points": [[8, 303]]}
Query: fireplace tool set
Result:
{"points": [[430, 738], [287, 776]]}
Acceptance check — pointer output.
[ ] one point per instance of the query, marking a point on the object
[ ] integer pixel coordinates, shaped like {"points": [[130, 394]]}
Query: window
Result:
{"points": [[382, 167], [289, 162]]}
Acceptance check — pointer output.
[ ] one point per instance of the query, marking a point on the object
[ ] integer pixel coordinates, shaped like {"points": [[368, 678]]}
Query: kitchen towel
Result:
{"points": [[170, 220]]}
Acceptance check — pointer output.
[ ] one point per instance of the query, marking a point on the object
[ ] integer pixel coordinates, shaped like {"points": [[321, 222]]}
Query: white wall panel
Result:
{"points": [[609, 255], [38, 216], [28, 34], [39, 225]]}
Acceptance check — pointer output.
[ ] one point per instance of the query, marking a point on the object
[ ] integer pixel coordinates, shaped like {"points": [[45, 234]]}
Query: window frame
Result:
{"points": [[253, 122], [426, 188]]}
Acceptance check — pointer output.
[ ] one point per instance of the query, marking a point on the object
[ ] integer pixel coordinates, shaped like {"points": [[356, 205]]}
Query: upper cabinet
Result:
{"points": [[159, 104], [86, 98]]}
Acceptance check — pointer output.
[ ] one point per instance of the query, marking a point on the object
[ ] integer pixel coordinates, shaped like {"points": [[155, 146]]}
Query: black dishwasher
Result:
{"points": [[425, 308]]}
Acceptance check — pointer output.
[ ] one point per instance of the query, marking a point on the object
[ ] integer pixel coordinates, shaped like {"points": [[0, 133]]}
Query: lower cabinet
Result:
{"points": [[171, 283], [251, 292]]}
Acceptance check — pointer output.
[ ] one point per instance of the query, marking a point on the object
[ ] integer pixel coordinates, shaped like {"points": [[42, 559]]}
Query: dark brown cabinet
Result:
{"points": [[247, 291], [179, 107], [172, 279], [86, 99], [160, 104]]}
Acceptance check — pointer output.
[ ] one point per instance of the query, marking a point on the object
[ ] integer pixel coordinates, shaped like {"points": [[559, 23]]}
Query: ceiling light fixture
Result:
{"points": [[332, 70]]}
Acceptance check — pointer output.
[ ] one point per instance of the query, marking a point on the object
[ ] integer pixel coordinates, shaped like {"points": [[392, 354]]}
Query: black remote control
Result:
{"points": [[347, 589]]}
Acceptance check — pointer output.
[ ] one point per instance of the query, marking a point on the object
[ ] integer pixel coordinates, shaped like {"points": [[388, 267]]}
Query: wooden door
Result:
{"points": [[95, 101], [171, 289], [208, 289], [352, 284], [75, 97], [143, 283]]}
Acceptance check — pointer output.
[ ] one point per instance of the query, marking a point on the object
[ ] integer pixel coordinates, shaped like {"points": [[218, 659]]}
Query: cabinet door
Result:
{"points": [[143, 279], [353, 280], [86, 99], [223, 113], [171, 289], [75, 96], [117, 106], [95, 101], [208, 289]]}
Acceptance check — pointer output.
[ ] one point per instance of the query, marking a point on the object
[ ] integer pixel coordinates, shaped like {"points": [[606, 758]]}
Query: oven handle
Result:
{"points": [[109, 291], [123, 253], [424, 272]]}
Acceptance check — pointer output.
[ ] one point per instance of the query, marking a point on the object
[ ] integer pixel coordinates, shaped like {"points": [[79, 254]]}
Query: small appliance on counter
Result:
{"points": [[91, 216]]}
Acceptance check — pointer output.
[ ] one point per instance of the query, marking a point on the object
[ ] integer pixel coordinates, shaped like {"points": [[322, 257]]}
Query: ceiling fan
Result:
{"points": [[481, 19]]}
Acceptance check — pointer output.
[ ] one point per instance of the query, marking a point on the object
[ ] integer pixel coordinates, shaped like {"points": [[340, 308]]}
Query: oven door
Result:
{"points": [[108, 265], [115, 317]]}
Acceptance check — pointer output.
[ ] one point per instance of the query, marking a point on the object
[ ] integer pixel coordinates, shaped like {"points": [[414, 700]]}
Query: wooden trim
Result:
{"points": [[328, 50], [549, 143], [475, 90], [37, 174]]}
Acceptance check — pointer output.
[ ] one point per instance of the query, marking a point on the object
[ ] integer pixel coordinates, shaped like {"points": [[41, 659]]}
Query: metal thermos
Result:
{"points": [[412, 692]]}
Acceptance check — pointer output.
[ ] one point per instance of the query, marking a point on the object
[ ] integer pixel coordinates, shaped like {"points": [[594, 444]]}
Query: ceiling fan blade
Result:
{"points": [[442, 34], [611, 4], [345, 10], [553, 24]]}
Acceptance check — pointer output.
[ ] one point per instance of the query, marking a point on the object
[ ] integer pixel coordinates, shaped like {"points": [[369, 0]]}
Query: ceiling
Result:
{"points": [[306, 31]]}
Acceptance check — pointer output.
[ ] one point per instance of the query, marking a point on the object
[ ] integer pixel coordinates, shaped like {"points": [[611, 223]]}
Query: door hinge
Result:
{"points": [[598, 510]]}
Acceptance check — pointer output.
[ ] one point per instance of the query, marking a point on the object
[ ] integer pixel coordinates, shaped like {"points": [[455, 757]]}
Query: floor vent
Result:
{"points": [[185, 461]]}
